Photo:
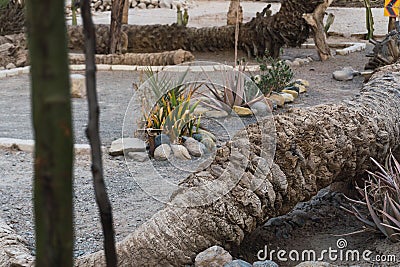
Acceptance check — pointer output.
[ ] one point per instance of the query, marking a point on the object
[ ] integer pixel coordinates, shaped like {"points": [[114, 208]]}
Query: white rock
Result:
{"points": [[141, 5], [162, 152], [10, 66], [126, 145], [214, 256], [165, 3], [288, 97], [78, 86], [194, 147], [260, 108], [154, 2], [180, 152], [134, 3], [151, 6], [345, 74], [138, 156]]}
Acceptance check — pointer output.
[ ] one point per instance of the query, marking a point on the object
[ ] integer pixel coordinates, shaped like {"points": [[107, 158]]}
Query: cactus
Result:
{"points": [[185, 17], [369, 19]]}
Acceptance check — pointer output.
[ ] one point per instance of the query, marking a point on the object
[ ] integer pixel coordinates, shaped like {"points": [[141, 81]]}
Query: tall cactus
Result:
{"points": [[369, 20]]}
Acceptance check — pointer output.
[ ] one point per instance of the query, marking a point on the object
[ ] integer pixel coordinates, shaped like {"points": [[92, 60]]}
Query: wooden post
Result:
{"points": [[391, 25], [125, 13]]}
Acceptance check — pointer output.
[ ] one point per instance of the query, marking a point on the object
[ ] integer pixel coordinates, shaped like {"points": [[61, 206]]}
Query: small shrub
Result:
{"points": [[275, 74], [381, 197]]}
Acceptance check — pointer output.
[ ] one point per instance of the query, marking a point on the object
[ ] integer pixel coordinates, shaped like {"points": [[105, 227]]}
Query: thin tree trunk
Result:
{"points": [[315, 20], [115, 26], [315, 148], [92, 133], [51, 111], [125, 14]]}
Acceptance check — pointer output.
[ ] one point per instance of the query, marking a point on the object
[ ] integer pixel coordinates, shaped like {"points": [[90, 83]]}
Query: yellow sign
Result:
{"points": [[391, 8]]}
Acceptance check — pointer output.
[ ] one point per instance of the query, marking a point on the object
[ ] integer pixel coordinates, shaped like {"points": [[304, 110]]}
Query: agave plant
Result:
{"points": [[235, 91], [381, 197]]}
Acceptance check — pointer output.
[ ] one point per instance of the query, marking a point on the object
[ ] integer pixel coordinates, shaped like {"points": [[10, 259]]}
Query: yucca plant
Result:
{"points": [[173, 112], [381, 197]]}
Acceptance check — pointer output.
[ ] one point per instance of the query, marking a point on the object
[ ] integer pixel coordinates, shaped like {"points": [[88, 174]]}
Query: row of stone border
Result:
{"points": [[348, 48], [28, 145]]}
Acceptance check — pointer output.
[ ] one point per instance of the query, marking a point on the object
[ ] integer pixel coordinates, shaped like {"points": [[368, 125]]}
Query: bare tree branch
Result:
{"points": [[92, 133]]}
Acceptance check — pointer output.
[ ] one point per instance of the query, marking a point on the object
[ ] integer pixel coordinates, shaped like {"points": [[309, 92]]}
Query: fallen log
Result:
{"points": [[315, 147], [264, 32], [142, 59], [13, 251]]}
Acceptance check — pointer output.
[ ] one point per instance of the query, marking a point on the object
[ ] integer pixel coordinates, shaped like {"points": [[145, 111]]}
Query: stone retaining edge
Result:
{"points": [[27, 145]]}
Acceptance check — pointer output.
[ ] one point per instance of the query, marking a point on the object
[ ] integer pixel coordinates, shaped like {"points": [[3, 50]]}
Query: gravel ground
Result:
{"points": [[131, 206], [114, 92]]}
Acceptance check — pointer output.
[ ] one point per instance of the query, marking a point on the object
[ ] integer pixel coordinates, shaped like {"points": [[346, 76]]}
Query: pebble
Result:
{"points": [[180, 152], [345, 74], [288, 97], [193, 147], [209, 144], [214, 256], [126, 145], [260, 107], [292, 92], [10, 66], [278, 99], [242, 112], [162, 152]]}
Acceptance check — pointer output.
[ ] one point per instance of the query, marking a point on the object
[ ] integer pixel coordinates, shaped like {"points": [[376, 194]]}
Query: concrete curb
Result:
{"points": [[349, 47], [105, 67], [27, 145]]}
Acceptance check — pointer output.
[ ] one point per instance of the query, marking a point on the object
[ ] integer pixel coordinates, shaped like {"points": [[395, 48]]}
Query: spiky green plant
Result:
{"points": [[173, 112], [235, 91], [381, 197], [275, 74]]}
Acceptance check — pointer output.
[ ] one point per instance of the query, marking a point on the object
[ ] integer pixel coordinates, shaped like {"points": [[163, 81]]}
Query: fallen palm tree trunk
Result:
{"points": [[264, 32], [13, 251], [143, 59], [315, 147]]}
